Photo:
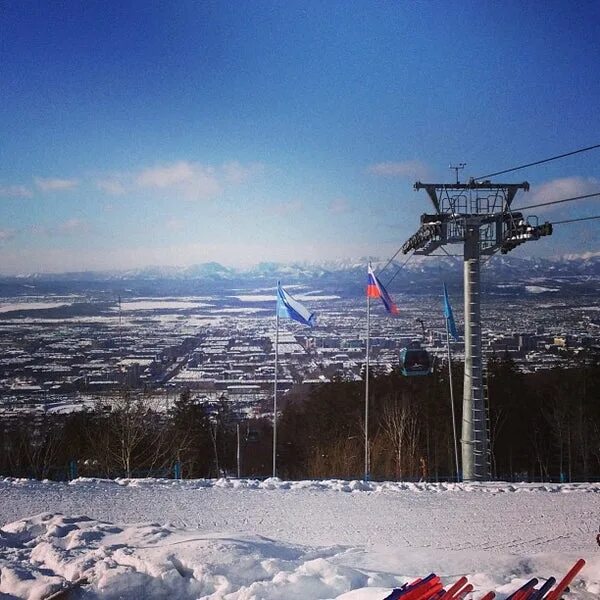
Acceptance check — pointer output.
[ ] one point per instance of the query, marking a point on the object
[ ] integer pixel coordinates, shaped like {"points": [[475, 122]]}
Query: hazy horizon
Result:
{"points": [[246, 266]]}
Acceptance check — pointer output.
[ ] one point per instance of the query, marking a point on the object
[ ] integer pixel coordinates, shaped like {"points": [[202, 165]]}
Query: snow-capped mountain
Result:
{"points": [[415, 267]]}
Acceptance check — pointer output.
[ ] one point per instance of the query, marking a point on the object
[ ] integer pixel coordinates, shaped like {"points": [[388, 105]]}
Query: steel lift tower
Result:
{"points": [[478, 215]]}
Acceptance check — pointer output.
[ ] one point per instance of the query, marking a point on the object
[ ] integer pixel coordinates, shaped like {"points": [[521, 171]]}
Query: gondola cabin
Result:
{"points": [[415, 361], [252, 435]]}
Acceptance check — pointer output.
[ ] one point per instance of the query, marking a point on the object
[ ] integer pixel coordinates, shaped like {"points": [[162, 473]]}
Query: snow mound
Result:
{"points": [[43, 553]]}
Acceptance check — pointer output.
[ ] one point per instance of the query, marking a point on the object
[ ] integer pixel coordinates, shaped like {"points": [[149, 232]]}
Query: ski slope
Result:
{"points": [[277, 540]]}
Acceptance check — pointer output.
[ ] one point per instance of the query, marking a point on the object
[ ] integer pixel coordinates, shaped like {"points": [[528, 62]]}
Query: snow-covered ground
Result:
{"points": [[22, 305], [276, 540]]}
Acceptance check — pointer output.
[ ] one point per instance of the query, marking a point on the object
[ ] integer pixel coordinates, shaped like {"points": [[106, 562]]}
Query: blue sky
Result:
{"points": [[148, 133]]}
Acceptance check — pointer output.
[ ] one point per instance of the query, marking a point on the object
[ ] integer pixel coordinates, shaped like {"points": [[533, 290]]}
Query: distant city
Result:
{"points": [[73, 341]]}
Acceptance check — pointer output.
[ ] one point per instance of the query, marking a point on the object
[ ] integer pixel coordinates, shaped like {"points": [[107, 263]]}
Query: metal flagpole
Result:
{"points": [[275, 391], [367, 388], [238, 451], [452, 401]]}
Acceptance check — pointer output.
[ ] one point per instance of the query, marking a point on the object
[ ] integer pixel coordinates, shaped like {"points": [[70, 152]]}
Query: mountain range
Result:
{"points": [[566, 265], [502, 268]]}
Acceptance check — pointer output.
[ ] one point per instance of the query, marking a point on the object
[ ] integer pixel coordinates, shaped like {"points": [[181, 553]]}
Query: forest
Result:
{"points": [[544, 426]]}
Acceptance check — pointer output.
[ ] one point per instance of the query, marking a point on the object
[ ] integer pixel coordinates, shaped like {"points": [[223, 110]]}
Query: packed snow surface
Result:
{"points": [[538, 289], [276, 540], [12, 306], [156, 304], [307, 297]]}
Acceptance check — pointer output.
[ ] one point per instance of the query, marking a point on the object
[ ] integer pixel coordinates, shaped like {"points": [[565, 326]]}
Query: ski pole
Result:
{"points": [[524, 591], [452, 590], [466, 590], [539, 594], [560, 588]]}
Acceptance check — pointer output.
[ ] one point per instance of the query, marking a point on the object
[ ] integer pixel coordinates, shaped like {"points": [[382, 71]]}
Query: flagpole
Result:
{"points": [[275, 393], [452, 401], [367, 388]]}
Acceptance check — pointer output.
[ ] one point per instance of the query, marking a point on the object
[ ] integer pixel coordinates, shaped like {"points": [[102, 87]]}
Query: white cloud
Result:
{"points": [[15, 191], [186, 179], [114, 187], [6, 235], [283, 209], [72, 226], [411, 169], [166, 176], [558, 189], [174, 224], [55, 184], [235, 172], [339, 206]]}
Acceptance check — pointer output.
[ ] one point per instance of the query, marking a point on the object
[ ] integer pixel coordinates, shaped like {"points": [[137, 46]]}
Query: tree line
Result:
{"points": [[543, 426]]}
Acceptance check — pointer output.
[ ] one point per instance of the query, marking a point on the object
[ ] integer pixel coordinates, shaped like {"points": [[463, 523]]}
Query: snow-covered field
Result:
{"points": [[161, 304], [276, 540], [307, 297], [22, 305], [538, 289]]}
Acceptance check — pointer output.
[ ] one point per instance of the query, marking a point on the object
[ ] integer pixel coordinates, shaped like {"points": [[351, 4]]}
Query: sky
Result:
{"points": [[175, 133]]}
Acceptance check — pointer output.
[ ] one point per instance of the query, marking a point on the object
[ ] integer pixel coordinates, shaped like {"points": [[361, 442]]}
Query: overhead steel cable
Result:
{"points": [[399, 268], [389, 262], [538, 162], [575, 220], [557, 201]]}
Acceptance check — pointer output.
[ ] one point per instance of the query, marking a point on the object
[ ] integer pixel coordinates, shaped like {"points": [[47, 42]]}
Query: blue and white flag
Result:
{"points": [[288, 308], [448, 314]]}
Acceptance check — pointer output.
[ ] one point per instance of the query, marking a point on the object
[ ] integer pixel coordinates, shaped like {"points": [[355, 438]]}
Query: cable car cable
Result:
{"points": [[558, 201], [575, 220], [389, 262], [399, 269], [538, 162]]}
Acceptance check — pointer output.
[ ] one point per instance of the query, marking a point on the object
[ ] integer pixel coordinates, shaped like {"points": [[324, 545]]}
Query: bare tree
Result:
{"points": [[399, 424], [40, 446], [131, 436]]}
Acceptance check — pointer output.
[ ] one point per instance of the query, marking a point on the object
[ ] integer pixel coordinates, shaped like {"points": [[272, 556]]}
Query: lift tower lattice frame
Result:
{"points": [[477, 214]]}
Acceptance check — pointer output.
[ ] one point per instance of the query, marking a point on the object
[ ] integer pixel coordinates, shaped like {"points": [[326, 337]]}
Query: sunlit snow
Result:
{"points": [[161, 305], [538, 289], [276, 540], [9, 307]]}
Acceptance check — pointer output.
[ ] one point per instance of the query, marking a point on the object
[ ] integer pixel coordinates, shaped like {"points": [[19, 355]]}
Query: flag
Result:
{"points": [[375, 289], [288, 308], [448, 314]]}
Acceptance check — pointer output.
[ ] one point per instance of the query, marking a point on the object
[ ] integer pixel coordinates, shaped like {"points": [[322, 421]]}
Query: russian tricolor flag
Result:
{"points": [[375, 289]]}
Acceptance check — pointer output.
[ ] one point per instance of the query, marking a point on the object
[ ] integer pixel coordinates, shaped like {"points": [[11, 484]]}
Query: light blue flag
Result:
{"points": [[449, 316], [288, 308]]}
